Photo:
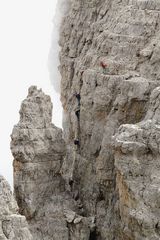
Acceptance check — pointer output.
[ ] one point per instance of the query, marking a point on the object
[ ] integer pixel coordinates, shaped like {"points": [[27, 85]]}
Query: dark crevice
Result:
{"points": [[96, 154], [157, 228], [93, 235], [101, 196], [69, 231]]}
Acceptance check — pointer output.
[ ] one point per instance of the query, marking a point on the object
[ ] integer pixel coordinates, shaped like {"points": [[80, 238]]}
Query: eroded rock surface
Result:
{"points": [[13, 226], [138, 169], [40, 190], [109, 56], [100, 182]]}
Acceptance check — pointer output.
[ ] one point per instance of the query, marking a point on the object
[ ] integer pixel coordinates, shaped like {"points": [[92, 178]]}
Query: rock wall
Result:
{"points": [[137, 164], [110, 57], [100, 180]]}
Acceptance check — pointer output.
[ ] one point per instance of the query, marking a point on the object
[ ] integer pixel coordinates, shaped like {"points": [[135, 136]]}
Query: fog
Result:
{"points": [[61, 10], [26, 33]]}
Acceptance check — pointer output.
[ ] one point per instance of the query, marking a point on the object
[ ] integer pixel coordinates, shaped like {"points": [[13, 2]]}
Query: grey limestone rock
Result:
{"points": [[38, 150], [41, 191], [137, 165], [13, 226], [110, 56], [100, 181]]}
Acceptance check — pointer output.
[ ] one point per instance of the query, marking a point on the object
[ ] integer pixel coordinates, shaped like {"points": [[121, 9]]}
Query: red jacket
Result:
{"points": [[103, 65]]}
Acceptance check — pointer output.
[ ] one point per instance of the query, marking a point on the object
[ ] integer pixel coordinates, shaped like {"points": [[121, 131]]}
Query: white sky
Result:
{"points": [[25, 39]]}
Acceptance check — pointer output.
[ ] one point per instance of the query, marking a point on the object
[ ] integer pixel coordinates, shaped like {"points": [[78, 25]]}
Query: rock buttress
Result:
{"points": [[109, 66], [137, 165], [40, 190]]}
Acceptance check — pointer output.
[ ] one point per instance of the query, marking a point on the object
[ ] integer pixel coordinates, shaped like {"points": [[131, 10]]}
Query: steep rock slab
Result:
{"points": [[13, 226]]}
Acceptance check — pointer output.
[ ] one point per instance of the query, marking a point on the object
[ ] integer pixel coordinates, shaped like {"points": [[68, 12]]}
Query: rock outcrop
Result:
{"points": [[13, 226], [100, 182], [110, 57], [41, 192], [137, 165]]}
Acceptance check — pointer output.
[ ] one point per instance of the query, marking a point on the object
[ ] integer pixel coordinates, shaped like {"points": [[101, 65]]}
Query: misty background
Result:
{"points": [[26, 37]]}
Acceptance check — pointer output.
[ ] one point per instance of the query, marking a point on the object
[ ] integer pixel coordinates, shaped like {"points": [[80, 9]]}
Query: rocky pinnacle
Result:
{"points": [[98, 179]]}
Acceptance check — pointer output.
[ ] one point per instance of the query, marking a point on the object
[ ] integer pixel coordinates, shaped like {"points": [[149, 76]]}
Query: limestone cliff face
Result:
{"points": [[100, 181], [110, 56], [13, 226]]}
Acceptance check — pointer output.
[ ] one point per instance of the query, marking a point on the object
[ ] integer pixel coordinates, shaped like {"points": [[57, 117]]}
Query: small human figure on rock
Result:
{"points": [[76, 142], [104, 66], [78, 96]]}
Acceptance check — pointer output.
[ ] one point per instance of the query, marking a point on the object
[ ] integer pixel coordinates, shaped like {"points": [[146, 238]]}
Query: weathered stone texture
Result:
{"points": [[13, 226], [40, 190], [102, 181], [38, 150], [138, 165], [110, 56]]}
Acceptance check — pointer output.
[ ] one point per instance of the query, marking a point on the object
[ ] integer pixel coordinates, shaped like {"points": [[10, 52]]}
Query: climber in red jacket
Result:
{"points": [[103, 65]]}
